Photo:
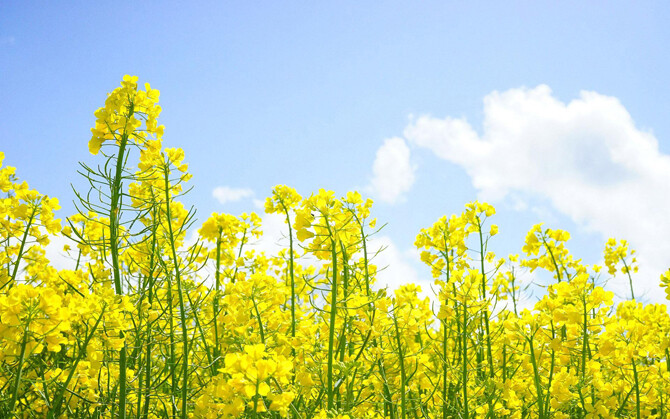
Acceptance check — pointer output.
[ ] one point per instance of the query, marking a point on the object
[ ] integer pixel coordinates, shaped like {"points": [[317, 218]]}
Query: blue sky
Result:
{"points": [[310, 94]]}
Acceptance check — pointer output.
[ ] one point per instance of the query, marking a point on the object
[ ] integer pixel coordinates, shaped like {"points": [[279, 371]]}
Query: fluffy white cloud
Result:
{"points": [[586, 158], [398, 267], [225, 194], [393, 264], [393, 174], [57, 256], [275, 235]]}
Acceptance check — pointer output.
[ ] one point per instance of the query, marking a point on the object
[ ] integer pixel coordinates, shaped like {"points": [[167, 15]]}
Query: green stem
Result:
{"points": [[17, 382], [388, 408], [547, 397], [12, 280], [217, 295], [291, 273], [58, 401], [151, 284], [464, 348], [489, 352], [553, 259], [403, 377], [345, 286], [445, 342], [637, 391], [630, 278], [173, 350], [331, 333], [255, 412], [258, 319], [536, 376], [180, 294], [114, 216]]}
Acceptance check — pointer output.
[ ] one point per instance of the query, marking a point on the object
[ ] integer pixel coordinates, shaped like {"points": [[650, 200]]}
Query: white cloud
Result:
{"points": [[586, 158], [275, 235], [393, 174], [225, 194], [57, 256], [259, 204], [397, 267]]}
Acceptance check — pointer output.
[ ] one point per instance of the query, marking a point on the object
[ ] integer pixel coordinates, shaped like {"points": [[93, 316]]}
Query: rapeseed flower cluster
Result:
{"points": [[148, 324]]}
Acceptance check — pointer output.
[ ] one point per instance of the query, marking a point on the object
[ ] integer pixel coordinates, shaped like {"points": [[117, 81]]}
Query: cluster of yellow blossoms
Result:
{"points": [[148, 324]]}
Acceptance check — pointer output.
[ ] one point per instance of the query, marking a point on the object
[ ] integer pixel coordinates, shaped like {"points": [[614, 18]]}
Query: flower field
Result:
{"points": [[146, 324]]}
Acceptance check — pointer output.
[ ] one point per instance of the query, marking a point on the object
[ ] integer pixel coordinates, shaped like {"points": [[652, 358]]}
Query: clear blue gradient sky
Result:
{"points": [[306, 93]]}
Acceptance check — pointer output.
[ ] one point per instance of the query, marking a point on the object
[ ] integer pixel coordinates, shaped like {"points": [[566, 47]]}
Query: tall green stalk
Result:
{"points": [[114, 245], [403, 374], [17, 381], [445, 339], [331, 332], [150, 291], [55, 410], [536, 377], [464, 328], [291, 271], [630, 278], [24, 239], [388, 407], [180, 292], [173, 347], [486, 310], [217, 296], [637, 391]]}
